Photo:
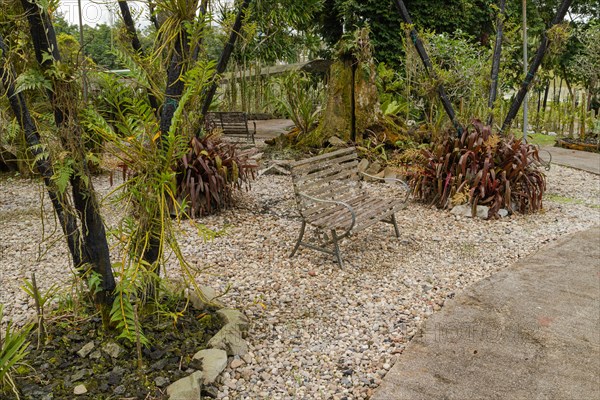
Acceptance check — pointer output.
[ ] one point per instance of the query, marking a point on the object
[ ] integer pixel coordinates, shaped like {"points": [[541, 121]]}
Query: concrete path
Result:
{"points": [[270, 128], [531, 331], [582, 160]]}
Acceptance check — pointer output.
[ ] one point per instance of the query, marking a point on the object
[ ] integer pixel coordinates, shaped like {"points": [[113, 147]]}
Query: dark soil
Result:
{"points": [[56, 368]]}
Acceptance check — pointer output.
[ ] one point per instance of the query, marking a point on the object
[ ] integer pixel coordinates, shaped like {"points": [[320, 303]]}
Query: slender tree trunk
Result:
{"points": [[135, 42], [19, 107], [546, 91], [428, 66], [225, 55], [496, 61], [535, 64], [63, 99]]}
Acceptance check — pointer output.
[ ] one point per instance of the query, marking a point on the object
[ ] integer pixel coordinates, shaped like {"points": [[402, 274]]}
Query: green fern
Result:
{"points": [[122, 314], [196, 80], [136, 71], [32, 79]]}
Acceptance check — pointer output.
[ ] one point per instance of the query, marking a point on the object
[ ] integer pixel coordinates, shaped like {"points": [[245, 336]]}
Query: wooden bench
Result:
{"points": [[231, 123], [332, 199]]}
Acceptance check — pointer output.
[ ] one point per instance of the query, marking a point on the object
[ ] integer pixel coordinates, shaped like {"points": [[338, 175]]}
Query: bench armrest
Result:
{"points": [[402, 183], [340, 203]]}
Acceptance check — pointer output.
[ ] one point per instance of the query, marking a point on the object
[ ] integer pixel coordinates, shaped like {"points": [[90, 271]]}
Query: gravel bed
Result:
{"points": [[318, 332]]}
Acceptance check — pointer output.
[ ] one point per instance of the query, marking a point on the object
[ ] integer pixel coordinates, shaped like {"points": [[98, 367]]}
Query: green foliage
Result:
{"points": [[584, 63], [209, 173], [482, 169], [300, 97], [32, 80], [473, 17], [62, 174], [40, 298], [123, 313], [13, 345]]}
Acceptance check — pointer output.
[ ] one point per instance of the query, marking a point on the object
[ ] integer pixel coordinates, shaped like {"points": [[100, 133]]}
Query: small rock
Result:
{"points": [[336, 142], [95, 355], [161, 381], [112, 349], [159, 365], [207, 294], [465, 211], [503, 212], [79, 375], [79, 389], [236, 363], [119, 390], [312, 273], [389, 174], [210, 391], [363, 165], [231, 337], [374, 168], [186, 388], [211, 362], [86, 349]]}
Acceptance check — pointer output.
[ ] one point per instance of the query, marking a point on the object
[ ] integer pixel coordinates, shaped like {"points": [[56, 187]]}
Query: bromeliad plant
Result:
{"points": [[481, 168], [208, 174]]}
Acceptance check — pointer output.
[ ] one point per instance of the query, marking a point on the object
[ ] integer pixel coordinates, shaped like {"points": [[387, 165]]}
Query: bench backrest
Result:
{"points": [[328, 176], [232, 123]]}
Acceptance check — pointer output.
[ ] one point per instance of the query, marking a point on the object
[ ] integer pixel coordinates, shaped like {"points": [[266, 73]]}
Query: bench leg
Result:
{"points": [[302, 229], [337, 248], [395, 225]]}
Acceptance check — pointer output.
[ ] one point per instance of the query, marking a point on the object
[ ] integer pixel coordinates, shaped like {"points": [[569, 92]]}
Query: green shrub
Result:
{"points": [[481, 168]]}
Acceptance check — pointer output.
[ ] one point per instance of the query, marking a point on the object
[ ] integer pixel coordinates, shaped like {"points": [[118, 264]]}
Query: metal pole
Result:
{"points": [[525, 69], [82, 45]]}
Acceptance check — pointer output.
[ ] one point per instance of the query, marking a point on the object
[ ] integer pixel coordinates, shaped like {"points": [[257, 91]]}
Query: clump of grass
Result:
{"points": [[13, 345]]}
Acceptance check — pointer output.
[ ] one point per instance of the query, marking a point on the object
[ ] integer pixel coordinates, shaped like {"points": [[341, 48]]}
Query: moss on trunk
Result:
{"points": [[367, 109], [338, 116], [352, 100]]}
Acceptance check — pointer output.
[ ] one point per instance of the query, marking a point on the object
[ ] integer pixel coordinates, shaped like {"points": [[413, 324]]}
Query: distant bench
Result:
{"points": [[231, 123]]}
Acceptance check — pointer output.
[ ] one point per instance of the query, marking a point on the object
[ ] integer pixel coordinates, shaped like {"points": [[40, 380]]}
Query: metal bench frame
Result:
{"points": [[331, 198], [231, 123]]}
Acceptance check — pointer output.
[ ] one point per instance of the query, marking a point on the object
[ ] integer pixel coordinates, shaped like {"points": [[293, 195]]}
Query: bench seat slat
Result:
{"points": [[321, 157], [375, 210], [334, 176]]}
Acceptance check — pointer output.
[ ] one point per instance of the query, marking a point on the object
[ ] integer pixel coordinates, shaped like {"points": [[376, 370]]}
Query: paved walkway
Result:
{"points": [[270, 128], [582, 160], [531, 331]]}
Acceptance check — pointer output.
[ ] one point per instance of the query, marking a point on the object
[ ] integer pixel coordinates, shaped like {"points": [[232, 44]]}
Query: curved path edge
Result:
{"points": [[531, 331]]}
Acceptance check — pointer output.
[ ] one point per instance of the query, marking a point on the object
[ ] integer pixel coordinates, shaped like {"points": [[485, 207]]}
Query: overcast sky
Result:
{"points": [[95, 12]]}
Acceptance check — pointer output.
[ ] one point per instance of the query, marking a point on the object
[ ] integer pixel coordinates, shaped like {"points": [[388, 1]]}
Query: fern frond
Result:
{"points": [[32, 79]]}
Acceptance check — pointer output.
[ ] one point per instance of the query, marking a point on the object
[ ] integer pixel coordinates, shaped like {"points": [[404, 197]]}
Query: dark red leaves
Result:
{"points": [[209, 173], [499, 172]]}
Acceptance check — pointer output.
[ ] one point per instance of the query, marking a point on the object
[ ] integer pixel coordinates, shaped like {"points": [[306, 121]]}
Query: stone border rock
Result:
{"points": [[212, 361]]}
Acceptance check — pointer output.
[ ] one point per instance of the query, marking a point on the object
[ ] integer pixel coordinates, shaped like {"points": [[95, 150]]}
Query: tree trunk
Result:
{"points": [[546, 91], [135, 42], [63, 100], [338, 117], [367, 109], [225, 55], [535, 64], [496, 60], [43, 164], [428, 66]]}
